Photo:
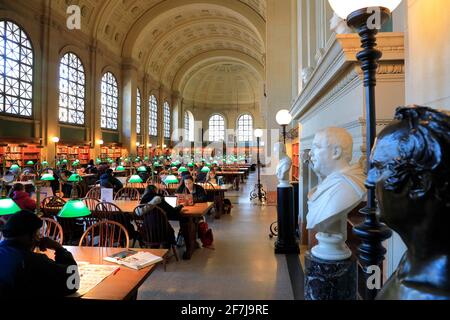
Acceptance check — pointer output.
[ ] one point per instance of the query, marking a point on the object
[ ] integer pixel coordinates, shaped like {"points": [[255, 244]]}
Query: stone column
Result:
{"points": [[128, 128]]}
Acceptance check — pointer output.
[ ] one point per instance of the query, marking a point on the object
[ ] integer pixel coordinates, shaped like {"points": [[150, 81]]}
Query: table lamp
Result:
{"points": [[171, 179]]}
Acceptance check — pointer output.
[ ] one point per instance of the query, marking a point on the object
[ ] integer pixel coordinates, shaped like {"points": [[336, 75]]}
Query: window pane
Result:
{"points": [[153, 116], [16, 71], [138, 112], [110, 102], [245, 128], [166, 120], [71, 90], [216, 128]]}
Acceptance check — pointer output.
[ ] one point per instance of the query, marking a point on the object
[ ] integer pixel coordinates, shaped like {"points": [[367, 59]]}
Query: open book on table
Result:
{"points": [[134, 259]]}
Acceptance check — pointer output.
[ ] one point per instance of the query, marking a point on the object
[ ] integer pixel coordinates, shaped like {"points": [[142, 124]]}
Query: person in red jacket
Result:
{"points": [[22, 198]]}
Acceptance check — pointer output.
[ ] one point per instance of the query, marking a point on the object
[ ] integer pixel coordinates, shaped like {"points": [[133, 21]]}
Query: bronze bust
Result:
{"points": [[411, 173]]}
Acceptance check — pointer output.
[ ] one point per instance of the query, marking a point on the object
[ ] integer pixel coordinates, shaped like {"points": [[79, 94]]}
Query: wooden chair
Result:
{"points": [[52, 229], [94, 193], [105, 234], [154, 229], [109, 211], [51, 206], [128, 194], [91, 203]]}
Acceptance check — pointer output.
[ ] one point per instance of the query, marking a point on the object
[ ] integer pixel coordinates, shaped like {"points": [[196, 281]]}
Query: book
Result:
{"points": [[134, 259]]}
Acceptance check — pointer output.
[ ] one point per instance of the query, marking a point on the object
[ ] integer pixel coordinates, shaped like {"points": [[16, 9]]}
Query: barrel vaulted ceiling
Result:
{"points": [[211, 51]]}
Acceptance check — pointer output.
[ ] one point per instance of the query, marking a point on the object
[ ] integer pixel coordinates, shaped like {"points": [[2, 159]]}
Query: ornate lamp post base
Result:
{"points": [[258, 193]]}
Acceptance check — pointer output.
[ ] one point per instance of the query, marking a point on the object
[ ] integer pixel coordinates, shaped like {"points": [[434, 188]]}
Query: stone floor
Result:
{"points": [[242, 265]]}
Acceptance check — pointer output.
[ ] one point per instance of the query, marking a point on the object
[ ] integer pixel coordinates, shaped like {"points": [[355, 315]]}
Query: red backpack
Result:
{"points": [[205, 234]]}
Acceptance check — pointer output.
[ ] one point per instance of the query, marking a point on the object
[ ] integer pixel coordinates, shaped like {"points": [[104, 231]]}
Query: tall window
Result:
{"points": [[153, 116], [166, 109], [138, 112], [16, 71], [71, 90], [216, 128], [189, 126], [245, 128], [110, 102]]}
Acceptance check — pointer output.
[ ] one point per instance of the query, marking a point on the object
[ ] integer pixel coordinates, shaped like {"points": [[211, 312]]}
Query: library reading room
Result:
{"points": [[238, 150]]}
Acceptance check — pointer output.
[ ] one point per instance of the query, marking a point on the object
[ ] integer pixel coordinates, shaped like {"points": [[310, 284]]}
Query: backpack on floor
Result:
{"points": [[205, 234]]}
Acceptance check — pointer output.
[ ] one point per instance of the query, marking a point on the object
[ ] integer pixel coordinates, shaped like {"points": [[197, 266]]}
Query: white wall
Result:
{"points": [[428, 53]]}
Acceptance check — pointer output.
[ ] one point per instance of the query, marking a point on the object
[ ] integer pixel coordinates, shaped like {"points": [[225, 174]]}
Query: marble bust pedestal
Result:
{"points": [[286, 242]]}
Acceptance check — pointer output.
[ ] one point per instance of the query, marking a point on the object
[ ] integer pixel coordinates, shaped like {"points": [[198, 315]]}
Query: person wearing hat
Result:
{"points": [[25, 273]]}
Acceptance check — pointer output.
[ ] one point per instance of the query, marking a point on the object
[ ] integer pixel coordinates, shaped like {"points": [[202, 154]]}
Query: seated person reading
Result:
{"points": [[28, 274], [188, 186]]}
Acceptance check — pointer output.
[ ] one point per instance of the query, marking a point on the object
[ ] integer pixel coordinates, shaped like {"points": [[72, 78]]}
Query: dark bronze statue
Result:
{"points": [[411, 173]]}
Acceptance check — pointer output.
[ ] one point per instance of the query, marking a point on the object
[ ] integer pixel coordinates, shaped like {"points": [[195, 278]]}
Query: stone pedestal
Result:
{"points": [[286, 242], [330, 280]]}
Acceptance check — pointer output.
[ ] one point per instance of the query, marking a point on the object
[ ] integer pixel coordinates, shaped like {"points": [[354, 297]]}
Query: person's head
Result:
{"points": [[23, 227], [410, 169], [150, 192], [18, 187], [109, 171], [332, 150], [91, 162], [188, 182]]}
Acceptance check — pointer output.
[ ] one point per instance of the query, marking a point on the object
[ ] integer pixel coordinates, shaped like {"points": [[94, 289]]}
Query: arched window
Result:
{"points": [[72, 86], [138, 112], [189, 126], [16, 71], [110, 102], [166, 109], [216, 128], [245, 128], [153, 116]]}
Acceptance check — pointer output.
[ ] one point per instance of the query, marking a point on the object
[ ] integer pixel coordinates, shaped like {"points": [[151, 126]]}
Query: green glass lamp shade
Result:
{"points": [[182, 169], [161, 158], [142, 169], [171, 179], [205, 169], [98, 161], [8, 206], [190, 164], [156, 164], [74, 178], [145, 158], [30, 163], [110, 160], [120, 168], [47, 177], [58, 163], [135, 179], [75, 163], [74, 208], [44, 163], [15, 167], [208, 164], [229, 162], [137, 159], [65, 161], [216, 162]]}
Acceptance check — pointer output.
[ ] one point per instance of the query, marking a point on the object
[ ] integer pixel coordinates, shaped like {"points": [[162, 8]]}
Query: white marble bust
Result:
{"points": [[341, 189], [284, 166]]}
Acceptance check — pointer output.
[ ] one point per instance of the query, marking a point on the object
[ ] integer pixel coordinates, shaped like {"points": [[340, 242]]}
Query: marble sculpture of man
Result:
{"points": [[340, 191]]}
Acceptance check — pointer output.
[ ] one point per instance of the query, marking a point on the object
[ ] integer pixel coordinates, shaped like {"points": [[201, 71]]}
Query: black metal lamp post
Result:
{"points": [[284, 118], [258, 191], [371, 232]]}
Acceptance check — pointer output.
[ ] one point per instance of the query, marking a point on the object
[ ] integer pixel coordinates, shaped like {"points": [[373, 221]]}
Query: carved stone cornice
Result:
{"points": [[339, 67]]}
